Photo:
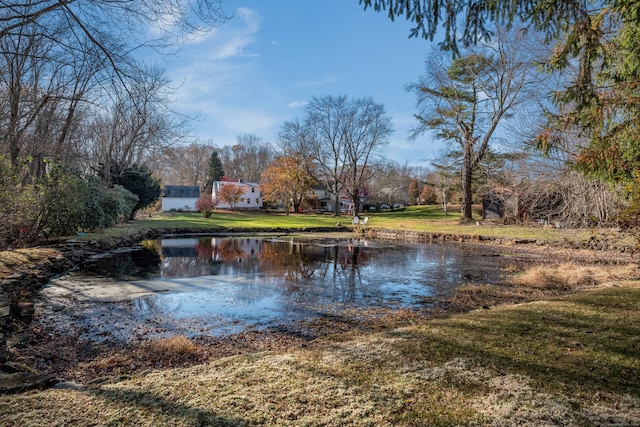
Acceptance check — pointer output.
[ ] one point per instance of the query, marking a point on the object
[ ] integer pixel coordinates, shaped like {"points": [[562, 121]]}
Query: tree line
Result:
{"points": [[87, 130], [80, 112]]}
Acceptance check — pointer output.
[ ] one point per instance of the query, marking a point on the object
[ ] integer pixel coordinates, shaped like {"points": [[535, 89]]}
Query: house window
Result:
{"points": [[257, 201], [253, 190]]}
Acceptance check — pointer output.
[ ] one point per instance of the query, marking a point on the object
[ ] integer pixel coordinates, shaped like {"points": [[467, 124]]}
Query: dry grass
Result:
{"points": [[570, 360], [171, 349], [24, 259], [172, 352], [538, 282], [568, 276]]}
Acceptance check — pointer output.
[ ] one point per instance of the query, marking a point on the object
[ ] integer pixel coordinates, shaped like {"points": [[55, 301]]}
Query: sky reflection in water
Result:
{"points": [[219, 285]]}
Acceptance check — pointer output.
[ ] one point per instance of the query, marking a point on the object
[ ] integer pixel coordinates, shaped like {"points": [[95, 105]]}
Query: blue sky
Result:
{"points": [[259, 69]]}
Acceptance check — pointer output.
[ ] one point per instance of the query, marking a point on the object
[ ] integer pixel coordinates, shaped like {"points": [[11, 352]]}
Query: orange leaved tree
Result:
{"points": [[287, 180], [231, 194]]}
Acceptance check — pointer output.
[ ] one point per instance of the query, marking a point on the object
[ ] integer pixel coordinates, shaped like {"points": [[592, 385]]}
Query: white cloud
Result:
{"points": [[231, 39], [214, 66], [297, 104]]}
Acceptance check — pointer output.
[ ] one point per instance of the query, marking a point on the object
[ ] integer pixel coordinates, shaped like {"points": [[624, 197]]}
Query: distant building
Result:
{"points": [[180, 197], [251, 198], [322, 200]]}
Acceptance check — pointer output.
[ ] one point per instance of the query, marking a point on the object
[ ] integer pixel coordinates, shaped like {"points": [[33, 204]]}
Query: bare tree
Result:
{"points": [[247, 159], [341, 137], [367, 131], [444, 181], [102, 22], [60, 57], [465, 99], [42, 90], [184, 164], [139, 119], [389, 183]]}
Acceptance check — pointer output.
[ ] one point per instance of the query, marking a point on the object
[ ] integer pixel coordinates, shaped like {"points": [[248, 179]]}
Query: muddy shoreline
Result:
{"points": [[30, 357]]}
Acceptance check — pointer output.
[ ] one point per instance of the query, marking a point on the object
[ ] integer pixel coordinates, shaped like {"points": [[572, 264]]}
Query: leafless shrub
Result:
{"points": [[568, 199]]}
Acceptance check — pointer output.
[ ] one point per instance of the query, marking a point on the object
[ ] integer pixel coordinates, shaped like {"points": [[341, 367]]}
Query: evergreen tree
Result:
{"points": [[465, 99], [216, 171], [138, 179]]}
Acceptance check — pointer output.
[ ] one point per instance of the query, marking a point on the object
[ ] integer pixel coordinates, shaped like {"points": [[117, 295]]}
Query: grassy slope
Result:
{"points": [[566, 360], [418, 218]]}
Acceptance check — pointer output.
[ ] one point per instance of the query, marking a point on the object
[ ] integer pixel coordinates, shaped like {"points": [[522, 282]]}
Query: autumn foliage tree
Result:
{"points": [[428, 195], [414, 191], [287, 180], [230, 194]]}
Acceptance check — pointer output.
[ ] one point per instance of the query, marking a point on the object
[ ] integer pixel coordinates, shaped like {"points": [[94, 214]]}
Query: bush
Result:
{"points": [[60, 202], [19, 205], [205, 205], [70, 201], [118, 204], [137, 179]]}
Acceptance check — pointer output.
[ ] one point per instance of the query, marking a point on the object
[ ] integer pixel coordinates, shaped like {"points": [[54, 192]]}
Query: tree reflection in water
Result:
{"points": [[218, 284]]}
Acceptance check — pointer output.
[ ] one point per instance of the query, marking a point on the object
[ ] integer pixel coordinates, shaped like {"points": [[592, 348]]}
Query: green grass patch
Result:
{"points": [[221, 220], [429, 219]]}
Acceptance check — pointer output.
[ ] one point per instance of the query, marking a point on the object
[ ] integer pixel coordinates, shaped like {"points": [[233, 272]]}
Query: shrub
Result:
{"points": [[118, 204], [205, 205], [138, 179], [69, 202], [19, 206]]}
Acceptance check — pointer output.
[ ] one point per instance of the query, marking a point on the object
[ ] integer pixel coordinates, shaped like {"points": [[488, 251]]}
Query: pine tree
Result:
{"points": [[216, 171]]}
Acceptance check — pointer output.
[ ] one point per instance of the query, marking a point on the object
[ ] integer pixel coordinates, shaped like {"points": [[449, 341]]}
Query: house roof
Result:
{"points": [[192, 191], [218, 184]]}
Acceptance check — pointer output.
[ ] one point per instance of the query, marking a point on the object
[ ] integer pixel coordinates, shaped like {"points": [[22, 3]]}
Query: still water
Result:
{"points": [[220, 285]]}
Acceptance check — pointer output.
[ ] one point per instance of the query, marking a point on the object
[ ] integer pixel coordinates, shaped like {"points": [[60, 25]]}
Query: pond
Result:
{"points": [[217, 285]]}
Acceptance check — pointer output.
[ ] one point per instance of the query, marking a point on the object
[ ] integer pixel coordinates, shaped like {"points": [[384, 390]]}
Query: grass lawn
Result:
{"points": [[415, 218]]}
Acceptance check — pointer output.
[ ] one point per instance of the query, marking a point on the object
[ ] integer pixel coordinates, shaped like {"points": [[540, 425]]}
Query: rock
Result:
{"points": [[16, 367], [22, 381], [68, 385], [19, 340]]}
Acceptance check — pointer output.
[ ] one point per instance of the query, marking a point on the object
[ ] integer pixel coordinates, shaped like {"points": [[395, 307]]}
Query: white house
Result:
{"points": [[323, 201], [251, 197], [180, 197]]}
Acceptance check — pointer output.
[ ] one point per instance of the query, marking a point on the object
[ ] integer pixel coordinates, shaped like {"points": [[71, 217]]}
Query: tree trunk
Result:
{"points": [[466, 210], [356, 205]]}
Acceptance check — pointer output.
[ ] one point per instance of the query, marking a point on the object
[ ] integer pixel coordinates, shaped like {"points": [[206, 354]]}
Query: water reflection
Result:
{"points": [[125, 264], [217, 285], [277, 274]]}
